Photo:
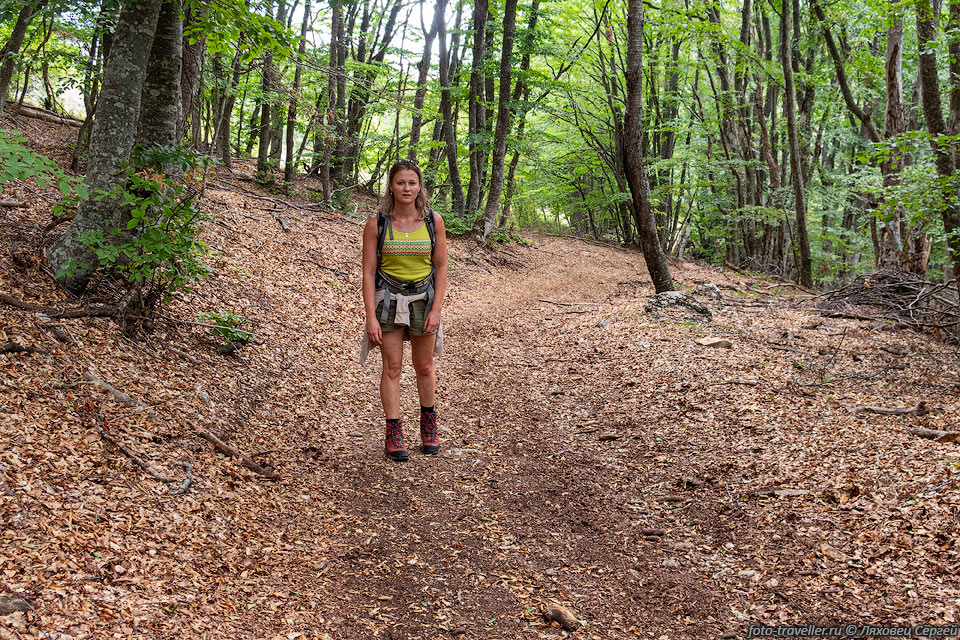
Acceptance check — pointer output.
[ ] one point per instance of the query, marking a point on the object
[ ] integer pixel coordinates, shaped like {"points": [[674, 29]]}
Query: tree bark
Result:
{"points": [[423, 69], [112, 139], [336, 30], [796, 174], [289, 170], [449, 125], [225, 114], [477, 112], [636, 172], [937, 128], [160, 96], [12, 47], [276, 109], [863, 116], [891, 251], [189, 73], [498, 162]]}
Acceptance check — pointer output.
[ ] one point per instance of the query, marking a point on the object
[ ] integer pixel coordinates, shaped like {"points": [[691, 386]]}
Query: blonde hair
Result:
{"points": [[387, 202]]}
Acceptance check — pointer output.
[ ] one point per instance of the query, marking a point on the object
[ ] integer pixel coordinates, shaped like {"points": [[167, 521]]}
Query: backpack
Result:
{"points": [[384, 226], [382, 280]]}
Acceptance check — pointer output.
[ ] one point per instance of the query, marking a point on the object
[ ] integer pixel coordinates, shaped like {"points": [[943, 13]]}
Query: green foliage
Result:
{"points": [[18, 162], [155, 244], [226, 325]]}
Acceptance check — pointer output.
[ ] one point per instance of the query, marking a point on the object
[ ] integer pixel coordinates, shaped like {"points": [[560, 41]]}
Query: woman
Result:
{"points": [[404, 283]]}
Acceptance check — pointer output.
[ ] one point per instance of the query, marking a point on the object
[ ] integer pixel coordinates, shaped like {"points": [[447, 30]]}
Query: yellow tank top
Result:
{"points": [[407, 257]]}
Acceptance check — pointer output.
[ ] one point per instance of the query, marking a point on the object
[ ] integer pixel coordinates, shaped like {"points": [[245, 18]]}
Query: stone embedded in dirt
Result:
{"points": [[714, 342], [833, 554], [772, 583], [10, 605], [562, 616], [707, 290], [790, 493], [671, 563], [677, 300], [749, 574]]}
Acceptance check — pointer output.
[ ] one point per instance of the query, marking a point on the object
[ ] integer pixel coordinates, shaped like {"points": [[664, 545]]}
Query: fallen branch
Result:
{"points": [[12, 204], [13, 347], [310, 206], [227, 450], [135, 458], [56, 222], [283, 223], [266, 452], [921, 409], [186, 481], [747, 383], [936, 435], [45, 115], [119, 395], [566, 304], [183, 354], [90, 311]]}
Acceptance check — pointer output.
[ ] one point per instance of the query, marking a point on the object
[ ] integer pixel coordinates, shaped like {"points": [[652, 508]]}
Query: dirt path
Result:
{"points": [[593, 456]]}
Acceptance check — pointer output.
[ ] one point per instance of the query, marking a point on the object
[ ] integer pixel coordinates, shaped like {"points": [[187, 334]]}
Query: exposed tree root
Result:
{"points": [[227, 450]]}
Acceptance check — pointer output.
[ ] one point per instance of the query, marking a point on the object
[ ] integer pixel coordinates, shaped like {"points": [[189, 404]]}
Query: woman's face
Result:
{"points": [[405, 186]]}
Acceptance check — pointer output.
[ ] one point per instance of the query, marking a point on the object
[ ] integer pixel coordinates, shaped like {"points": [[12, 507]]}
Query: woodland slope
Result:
{"points": [[594, 455]]}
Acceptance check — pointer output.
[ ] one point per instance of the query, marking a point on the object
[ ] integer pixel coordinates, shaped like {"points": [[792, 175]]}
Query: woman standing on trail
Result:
{"points": [[404, 282]]}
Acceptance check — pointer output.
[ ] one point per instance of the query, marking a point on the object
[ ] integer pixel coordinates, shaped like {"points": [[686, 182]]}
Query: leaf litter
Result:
{"points": [[601, 461]]}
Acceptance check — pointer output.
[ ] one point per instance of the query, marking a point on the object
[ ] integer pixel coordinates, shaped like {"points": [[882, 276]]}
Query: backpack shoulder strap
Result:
{"points": [[431, 228], [383, 225]]}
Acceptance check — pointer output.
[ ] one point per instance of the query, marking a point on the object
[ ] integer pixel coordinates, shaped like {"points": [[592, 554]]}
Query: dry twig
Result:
{"points": [[227, 450]]}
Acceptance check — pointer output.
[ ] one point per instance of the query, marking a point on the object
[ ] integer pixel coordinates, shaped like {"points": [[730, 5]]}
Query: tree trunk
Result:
{"points": [[160, 96], [423, 69], [862, 115], [933, 114], [276, 110], [336, 30], [890, 252], [449, 125], [225, 115], [189, 73], [796, 174], [114, 132], [633, 162], [503, 120], [477, 111], [289, 170], [264, 170], [12, 47]]}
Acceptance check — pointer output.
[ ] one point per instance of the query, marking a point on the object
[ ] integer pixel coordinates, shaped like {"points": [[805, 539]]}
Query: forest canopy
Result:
{"points": [[810, 140]]}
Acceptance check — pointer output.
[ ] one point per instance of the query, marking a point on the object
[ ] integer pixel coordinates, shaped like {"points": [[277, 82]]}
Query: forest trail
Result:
{"points": [[593, 456]]}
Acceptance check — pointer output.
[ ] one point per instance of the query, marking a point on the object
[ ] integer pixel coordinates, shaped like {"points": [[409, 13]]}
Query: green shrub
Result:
{"points": [[226, 325], [155, 244]]}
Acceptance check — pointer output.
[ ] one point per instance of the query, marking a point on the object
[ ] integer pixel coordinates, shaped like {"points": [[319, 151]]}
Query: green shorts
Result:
{"points": [[418, 316]]}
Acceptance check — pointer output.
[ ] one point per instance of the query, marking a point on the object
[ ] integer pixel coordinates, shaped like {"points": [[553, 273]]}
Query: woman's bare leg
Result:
{"points": [[423, 365], [392, 352]]}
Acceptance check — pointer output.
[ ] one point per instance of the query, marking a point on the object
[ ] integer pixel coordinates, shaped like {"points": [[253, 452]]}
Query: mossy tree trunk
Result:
{"points": [[114, 133]]}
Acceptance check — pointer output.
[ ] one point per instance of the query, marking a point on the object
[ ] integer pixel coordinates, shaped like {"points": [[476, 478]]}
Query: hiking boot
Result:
{"points": [[429, 438], [394, 441]]}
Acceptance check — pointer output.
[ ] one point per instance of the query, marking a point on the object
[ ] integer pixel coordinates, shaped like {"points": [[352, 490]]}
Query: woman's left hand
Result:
{"points": [[432, 323]]}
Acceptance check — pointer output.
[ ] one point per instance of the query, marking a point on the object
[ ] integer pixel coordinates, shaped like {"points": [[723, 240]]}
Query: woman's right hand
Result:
{"points": [[374, 332]]}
